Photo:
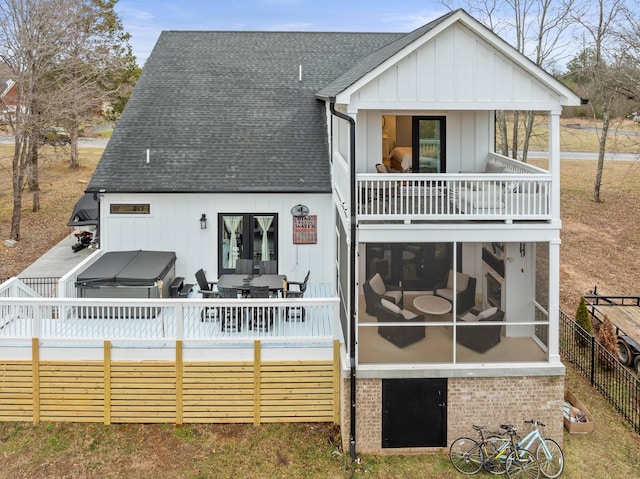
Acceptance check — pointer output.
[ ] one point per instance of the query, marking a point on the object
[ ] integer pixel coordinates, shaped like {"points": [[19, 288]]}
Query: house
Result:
{"points": [[268, 146], [8, 99]]}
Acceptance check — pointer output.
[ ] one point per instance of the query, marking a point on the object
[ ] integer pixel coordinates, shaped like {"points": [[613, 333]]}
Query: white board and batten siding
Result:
{"points": [[455, 70], [173, 225]]}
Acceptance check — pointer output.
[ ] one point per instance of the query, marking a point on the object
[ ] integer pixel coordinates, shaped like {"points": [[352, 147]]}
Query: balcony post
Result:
{"points": [[554, 164], [554, 301]]}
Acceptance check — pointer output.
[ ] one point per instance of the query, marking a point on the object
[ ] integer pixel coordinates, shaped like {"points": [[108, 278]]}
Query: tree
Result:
{"points": [[607, 337], [98, 68], [584, 321], [539, 29], [49, 45], [599, 68], [28, 46]]}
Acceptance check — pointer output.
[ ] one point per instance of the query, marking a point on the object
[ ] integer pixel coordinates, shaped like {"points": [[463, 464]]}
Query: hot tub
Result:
{"points": [[128, 274]]}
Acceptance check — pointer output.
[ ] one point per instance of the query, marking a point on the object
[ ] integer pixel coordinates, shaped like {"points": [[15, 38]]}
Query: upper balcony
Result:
{"points": [[507, 191]]}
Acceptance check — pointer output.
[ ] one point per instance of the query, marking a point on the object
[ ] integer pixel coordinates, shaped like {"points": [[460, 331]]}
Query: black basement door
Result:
{"points": [[414, 412]]}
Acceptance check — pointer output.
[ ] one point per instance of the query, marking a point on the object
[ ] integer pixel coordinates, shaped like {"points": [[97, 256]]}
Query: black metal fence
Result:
{"points": [[46, 286], [617, 383]]}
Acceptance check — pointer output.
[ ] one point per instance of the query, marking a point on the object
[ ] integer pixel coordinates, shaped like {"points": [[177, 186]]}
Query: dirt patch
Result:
{"points": [[60, 188]]}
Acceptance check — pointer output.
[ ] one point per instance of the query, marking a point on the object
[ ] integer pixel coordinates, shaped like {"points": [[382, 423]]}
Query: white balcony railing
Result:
{"points": [[520, 192]]}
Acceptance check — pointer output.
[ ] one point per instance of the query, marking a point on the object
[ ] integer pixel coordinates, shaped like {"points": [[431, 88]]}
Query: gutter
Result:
{"points": [[352, 275]]}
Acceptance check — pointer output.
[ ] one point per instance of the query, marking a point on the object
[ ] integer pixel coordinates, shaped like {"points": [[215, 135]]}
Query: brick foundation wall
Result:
{"points": [[483, 401], [495, 401]]}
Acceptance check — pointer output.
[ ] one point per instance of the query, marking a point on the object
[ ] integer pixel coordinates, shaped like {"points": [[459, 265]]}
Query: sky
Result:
{"points": [[145, 19]]}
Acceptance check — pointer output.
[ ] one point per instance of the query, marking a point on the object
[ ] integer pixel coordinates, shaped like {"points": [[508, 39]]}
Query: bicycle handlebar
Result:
{"points": [[535, 422]]}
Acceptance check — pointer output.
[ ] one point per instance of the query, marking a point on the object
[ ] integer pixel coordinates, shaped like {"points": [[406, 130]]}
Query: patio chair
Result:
{"points": [[375, 290], [231, 316], [296, 289], [465, 291], [262, 316], [480, 338], [268, 267], [244, 266], [401, 336], [206, 287]]}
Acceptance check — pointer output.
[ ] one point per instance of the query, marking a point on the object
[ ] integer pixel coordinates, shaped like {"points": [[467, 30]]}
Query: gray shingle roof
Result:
{"points": [[226, 112]]}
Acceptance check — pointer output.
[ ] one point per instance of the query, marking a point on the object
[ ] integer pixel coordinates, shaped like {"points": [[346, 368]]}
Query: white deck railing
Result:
{"points": [[520, 192], [171, 319], [67, 284], [14, 288]]}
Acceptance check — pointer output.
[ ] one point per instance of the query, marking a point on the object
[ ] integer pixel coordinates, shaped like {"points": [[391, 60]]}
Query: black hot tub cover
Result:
{"points": [[127, 268]]}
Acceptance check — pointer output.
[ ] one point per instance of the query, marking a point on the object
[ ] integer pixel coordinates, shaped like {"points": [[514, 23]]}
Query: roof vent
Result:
{"points": [[300, 73]]}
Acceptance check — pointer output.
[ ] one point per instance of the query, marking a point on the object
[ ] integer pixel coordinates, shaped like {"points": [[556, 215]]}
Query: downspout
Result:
{"points": [[352, 275]]}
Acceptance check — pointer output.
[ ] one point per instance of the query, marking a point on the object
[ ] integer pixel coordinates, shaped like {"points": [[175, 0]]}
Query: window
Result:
{"points": [[249, 236], [130, 208]]}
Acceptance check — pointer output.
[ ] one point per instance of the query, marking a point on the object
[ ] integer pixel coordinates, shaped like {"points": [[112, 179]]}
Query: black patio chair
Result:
{"points": [[206, 287], [262, 316], [244, 266], [268, 267], [231, 316], [296, 289]]}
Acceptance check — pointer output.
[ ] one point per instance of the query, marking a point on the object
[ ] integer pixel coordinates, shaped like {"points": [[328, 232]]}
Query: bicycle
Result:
{"points": [[548, 453], [496, 454], [469, 456]]}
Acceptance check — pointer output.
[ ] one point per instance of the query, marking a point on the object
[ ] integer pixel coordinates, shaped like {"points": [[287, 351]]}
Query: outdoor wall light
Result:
{"points": [[203, 222]]}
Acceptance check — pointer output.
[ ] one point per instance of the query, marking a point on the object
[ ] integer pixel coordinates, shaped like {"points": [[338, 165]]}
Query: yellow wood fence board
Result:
{"points": [[218, 420], [74, 419], [17, 406], [297, 419], [14, 373], [15, 365], [19, 386]]}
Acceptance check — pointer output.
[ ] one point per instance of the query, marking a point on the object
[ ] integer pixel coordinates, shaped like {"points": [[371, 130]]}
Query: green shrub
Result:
{"points": [[584, 321]]}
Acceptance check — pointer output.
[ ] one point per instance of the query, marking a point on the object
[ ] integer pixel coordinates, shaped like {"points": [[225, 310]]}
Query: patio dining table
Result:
{"points": [[243, 282]]}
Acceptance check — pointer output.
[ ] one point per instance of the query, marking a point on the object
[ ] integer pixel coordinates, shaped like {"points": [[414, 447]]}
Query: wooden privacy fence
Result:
{"points": [[171, 391]]}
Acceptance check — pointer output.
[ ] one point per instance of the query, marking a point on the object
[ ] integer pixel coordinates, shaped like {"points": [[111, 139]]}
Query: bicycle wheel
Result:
{"points": [[522, 464], [552, 465], [495, 460], [465, 455]]}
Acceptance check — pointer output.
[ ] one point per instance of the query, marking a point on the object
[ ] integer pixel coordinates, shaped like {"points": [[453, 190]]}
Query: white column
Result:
{"points": [[554, 164], [554, 301]]}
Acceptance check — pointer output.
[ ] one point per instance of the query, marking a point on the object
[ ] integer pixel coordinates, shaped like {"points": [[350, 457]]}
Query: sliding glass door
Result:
{"points": [[415, 266], [428, 144]]}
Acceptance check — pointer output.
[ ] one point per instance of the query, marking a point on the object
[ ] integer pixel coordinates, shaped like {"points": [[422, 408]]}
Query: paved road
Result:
{"points": [[83, 142], [565, 155], [585, 155]]}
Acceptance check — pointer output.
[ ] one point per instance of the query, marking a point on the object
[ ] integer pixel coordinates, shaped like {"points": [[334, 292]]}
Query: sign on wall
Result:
{"points": [[305, 229]]}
